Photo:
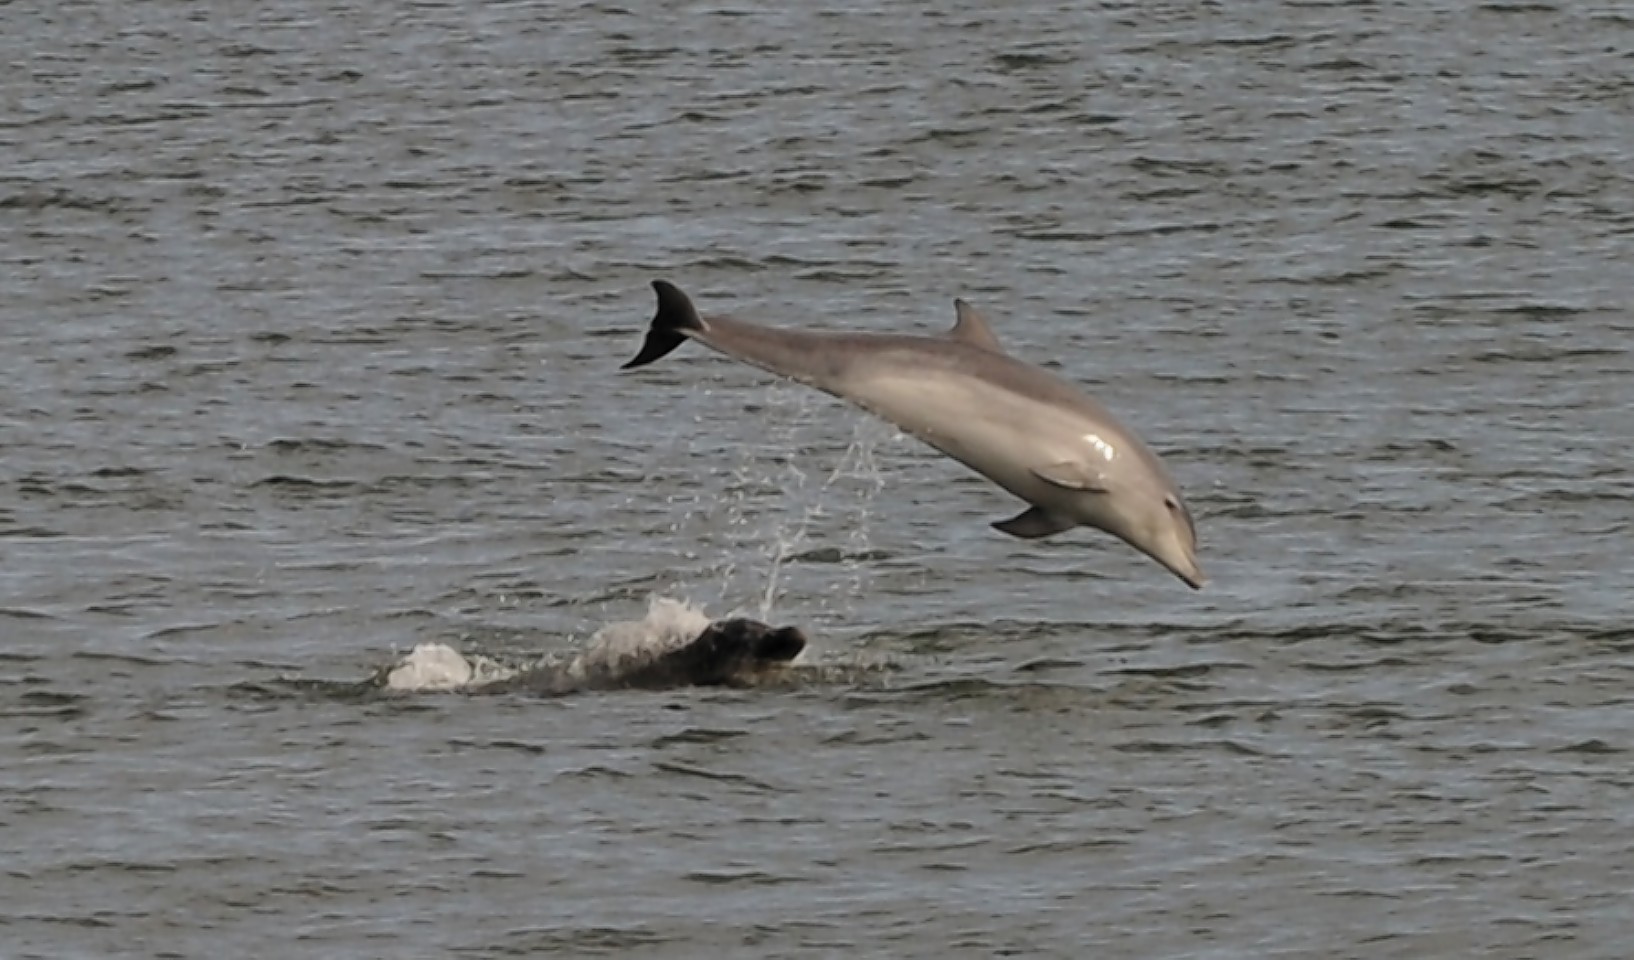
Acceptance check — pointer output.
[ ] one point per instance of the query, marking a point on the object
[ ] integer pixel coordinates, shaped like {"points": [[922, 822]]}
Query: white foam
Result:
{"points": [[619, 648], [668, 625], [429, 667], [614, 649]]}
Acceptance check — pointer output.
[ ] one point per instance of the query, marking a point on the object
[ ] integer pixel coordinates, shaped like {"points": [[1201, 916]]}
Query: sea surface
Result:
{"points": [[310, 320]]}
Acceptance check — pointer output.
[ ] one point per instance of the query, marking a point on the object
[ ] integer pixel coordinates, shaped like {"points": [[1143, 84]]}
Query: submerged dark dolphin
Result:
{"points": [[728, 653], [1018, 425]]}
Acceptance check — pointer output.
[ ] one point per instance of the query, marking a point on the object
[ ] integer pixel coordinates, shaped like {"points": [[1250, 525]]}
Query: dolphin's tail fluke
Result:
{"points": [[676, 314]]}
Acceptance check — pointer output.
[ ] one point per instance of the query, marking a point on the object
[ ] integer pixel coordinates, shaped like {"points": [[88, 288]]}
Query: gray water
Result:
{"points": [[310, 317]]}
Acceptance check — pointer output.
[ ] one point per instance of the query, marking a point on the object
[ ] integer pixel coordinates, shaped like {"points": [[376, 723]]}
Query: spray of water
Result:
{"points": [[843, 498], [614, 650], [785, 498]]}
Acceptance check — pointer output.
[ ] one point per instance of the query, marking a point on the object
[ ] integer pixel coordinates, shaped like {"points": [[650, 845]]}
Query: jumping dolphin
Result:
{"points": [[1020, 426]]}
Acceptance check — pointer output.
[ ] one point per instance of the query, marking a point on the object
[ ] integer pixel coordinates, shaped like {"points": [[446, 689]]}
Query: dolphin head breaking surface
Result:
{"points": [[1026, 429]]}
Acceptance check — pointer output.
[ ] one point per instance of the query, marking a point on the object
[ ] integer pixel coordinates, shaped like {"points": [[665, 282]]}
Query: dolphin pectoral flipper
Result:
{"points": [[1033, 524], [676, 315], [1072, 475]]}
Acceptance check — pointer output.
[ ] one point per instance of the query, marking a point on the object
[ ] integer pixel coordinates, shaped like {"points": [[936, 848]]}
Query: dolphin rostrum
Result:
{"points": [[1020, 426]]}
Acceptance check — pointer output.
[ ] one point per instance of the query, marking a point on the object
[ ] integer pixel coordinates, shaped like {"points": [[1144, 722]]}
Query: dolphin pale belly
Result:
{"points": [[1018, 425]]}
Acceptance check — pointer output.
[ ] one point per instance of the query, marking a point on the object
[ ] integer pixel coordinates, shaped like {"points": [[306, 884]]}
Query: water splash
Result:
{"points": [[438, 667], [792, 493], [806, 510], [668, 625], [615, 648], [854, 482]]}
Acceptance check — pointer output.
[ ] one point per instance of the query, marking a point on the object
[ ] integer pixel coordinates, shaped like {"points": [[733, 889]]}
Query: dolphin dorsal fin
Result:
{"points": [[972, 328]]}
